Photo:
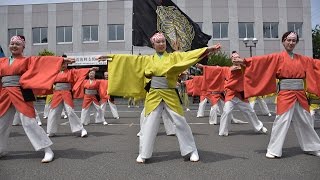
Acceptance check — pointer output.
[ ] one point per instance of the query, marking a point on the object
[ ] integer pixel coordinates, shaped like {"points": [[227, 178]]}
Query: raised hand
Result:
{"points": [[94, 69], [102, 58], [200, 66], [68, 60], [215, 48]]}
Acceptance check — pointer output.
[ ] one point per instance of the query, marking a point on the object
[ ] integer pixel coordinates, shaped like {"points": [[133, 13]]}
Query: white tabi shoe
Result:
{"points": [[198, 116], [51, 134], [45, 117], [84, 133], [270, 156], [225, 134], [48, 155], [187, 109], [314, 153], [263, 130], [117, 117], [40, 123], [194, 157], [139, 134], [140, 159], [65, 117], [269, 114], [105, 123]]}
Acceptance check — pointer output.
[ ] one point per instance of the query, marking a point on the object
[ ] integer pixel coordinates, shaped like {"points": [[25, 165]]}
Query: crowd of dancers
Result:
{"points": [[155, 79]]}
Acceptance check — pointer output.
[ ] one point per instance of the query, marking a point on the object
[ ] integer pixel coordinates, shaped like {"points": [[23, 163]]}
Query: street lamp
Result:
{"points": [[253, 43]]}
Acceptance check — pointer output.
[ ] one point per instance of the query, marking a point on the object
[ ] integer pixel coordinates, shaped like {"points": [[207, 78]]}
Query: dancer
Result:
{"points": [[234, 97], [213, 82], [106, 99], [19, 77], [261, 73], [90, 100], [161, 71], [66, 81]]}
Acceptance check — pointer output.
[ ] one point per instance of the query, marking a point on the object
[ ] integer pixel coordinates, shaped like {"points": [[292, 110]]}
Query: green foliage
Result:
{"points": [[219, 59], [46, 52], [316, 42]]}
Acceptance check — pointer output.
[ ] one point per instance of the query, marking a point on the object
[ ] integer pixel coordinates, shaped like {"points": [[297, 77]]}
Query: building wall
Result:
{"points": [[102, 13]]}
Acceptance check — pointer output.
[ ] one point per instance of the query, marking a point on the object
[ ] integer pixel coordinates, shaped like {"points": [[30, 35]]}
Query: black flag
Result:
{"points": [[1, 52], [150, 16]]}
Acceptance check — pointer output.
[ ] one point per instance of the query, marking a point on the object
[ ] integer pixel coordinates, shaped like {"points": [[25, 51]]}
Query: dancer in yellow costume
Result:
{"points": [[160, 71]]}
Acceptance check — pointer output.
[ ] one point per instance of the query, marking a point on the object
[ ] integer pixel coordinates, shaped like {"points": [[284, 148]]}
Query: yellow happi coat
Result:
{"points": [[127, 76]]}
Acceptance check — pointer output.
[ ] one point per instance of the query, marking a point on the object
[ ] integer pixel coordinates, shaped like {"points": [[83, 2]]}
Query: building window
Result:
{"points": [[199, 24], [115, 32], [89, 33], [220, 30], [246, 30], [14, 32], [270, 30], [39, 35], [64, 34], [296, 27]]}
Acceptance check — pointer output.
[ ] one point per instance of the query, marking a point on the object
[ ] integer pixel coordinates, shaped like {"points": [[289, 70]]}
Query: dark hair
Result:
{"points": [[22, 37], [233, 52], [63, 55], [285, 35]]}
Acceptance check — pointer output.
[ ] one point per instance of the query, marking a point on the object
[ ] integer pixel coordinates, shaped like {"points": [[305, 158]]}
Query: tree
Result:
{"points": [[316, 42], [219, 59], [46, 52]]}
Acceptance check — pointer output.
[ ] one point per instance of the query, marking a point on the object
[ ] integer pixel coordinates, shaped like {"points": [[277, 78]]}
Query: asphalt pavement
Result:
{"points": [[109, 152]]}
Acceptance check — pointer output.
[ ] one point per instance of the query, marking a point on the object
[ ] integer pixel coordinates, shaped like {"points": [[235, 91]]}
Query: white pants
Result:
{"points": [[302, 123], [55, 114], [202, 107], [246, 110], [262, 104], [17, 120], [85, 114], [150, 129], [215, 109], [47, 109], [113, 108], [169, 127], [35, 133]]}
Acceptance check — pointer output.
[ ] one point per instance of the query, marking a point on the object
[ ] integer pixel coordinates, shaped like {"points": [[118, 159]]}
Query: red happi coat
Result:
{"points": [[88, 98], [234, 85], [262, 71], [35, 75], [189, 86], [103, 91], [214, 77], [76, 78], [198, 88]]}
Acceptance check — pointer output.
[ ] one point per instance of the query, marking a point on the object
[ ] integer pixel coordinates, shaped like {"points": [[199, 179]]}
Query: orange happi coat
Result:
{"points": [[103, 91], [189, 86], [88, 98], [214, 77], [76, 78], [198, 88], [262, 71], [34, 75], [234, 85]]}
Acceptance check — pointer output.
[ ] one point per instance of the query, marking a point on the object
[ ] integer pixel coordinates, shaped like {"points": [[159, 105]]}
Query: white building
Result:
{"points": [[84, 27]]}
